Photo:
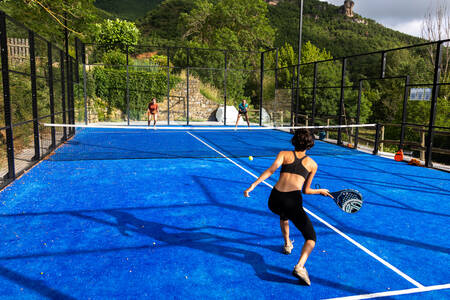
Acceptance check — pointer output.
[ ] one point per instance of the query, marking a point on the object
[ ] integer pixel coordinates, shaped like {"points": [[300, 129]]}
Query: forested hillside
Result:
{"points": [[127, 9], [324, 26]]}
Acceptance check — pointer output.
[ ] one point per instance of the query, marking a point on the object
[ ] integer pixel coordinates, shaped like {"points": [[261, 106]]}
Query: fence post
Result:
{"points": [[383, 64], [404, 112], [68, 74], [83, 60], [377, 139], [225, 89], [34, 105], [7, 98], [293, 117], [261, 89], [435, 94], [341, 101], [168, 86], [51, 92], [328, 124], [63, 93], [313, 108], [274, 106], [128, 86], [422, 142], [382, 138], [187, 86], [358, 113], [71, 97]]}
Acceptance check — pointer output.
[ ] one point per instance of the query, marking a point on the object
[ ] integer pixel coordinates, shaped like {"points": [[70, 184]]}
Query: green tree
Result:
{"points": [[232, 24], [117, 34], [48, 17]]}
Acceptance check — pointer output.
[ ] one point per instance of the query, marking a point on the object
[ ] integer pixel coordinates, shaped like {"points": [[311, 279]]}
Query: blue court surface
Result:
{"points": [[140, 213]]}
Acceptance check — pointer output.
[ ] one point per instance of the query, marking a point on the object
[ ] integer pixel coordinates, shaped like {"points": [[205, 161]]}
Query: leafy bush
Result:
{"points": [[114, 58], [111, 84], [117, 34]]}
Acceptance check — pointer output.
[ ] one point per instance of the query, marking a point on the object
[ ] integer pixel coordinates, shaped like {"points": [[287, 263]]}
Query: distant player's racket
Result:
{"points": [[349, 200]]}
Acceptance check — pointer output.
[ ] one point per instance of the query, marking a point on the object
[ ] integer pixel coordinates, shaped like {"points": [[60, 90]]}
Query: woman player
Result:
{"points": [[152, 110], [243, 110], [297, 171]]}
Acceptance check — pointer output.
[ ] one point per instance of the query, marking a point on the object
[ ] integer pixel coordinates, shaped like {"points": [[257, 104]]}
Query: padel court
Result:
{"points": [[160, 214]]}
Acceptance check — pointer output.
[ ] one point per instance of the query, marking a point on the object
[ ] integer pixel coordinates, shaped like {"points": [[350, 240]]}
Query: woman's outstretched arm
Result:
{"points": [[307, 185], [266, 174]]}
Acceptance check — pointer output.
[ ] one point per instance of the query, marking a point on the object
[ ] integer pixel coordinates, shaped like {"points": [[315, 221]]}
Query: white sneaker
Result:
{"points": [[301, 274], [287, 249]]}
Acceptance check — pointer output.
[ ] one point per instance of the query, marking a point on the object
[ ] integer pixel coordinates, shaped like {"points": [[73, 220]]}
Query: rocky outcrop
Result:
{"points": [[347, 8]]}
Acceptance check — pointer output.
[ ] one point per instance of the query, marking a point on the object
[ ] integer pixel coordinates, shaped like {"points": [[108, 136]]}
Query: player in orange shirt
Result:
{"points": [[152, 110]]}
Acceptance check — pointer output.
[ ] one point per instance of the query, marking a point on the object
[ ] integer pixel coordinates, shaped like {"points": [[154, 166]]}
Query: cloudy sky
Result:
{"points": [[402, 15]]}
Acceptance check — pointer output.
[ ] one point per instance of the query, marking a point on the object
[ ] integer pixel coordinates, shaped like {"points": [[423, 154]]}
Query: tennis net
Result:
{"points": [[141, 142]]}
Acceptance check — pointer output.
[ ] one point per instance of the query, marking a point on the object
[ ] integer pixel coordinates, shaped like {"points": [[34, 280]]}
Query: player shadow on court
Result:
{"points": [[194, 239], [206, 242]]}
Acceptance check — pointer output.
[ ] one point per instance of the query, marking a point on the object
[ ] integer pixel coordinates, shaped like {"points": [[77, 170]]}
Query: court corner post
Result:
{"points": [[34, 104], [7, 97], [435, 94]]}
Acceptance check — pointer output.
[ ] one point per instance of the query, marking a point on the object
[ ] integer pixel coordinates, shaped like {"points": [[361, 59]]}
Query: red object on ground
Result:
{"points": [[399, 155]]}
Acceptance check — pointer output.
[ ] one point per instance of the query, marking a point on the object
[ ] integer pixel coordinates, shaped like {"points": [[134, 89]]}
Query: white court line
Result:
{"points": [[230, 128], [395, 293], [417, 284]]}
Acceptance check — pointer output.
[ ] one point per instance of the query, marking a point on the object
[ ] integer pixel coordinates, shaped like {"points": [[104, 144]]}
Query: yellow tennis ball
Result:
{"points": [[250, 158]]}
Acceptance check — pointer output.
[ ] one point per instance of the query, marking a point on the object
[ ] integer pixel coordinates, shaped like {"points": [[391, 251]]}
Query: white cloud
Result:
{"points": [[402, 15], [412, 28]]}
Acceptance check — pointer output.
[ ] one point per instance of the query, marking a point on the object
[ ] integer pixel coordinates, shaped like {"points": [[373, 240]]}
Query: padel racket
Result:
{"points": [[349, 200]]}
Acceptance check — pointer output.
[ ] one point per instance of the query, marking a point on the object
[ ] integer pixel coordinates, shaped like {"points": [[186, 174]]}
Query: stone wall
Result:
{"points": [[200, 108]]}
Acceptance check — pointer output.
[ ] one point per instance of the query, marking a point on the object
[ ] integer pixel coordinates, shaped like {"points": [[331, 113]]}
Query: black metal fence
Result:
{"points": [[42, 83], [190, 84], [420, 128], [38, 87]]}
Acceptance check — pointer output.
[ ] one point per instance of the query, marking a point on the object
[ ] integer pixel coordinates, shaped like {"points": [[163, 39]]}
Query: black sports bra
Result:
{"points": [[296, 167]]}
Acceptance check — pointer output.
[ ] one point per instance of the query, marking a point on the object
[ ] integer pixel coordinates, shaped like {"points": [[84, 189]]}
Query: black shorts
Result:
{"points": [[243, 113], [289, 206]]}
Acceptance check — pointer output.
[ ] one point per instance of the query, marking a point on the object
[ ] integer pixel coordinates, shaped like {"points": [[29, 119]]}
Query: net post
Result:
{"points": [[261, 88], [63, 93], [37, 148], [128, 86], [83, 60], [313, 108], [358, 113], [168, 86], [187, 86], [341, 100], [383, 64], [7, 97], [377, 139], [435, 94], [51, 92], [404, 112], [225, 89]]}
